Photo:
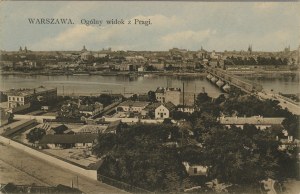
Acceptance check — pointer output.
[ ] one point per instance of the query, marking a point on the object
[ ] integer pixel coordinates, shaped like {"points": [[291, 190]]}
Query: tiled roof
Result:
{"points": [[153, 106], [169, 105]]}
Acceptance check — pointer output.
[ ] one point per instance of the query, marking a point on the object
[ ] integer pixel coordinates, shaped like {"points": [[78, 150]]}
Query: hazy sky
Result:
{"points": [[190, 25]]}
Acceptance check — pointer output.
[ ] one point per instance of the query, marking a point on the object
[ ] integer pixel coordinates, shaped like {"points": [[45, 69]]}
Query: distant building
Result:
{"points": [[195, 169], [164, 95], [84, 49], [259, 121], [132, 106], [91, 110], [80, 140], [87, 56], [60, 129], [186, 109], [177, 50], [158, 66], [25, 97]]}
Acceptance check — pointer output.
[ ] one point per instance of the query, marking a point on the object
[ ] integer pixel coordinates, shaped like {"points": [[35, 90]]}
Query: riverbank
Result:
{"points": [[110, 73]]}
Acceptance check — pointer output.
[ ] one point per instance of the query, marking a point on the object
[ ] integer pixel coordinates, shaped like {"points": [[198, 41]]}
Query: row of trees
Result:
{"points": [[258, 61]]}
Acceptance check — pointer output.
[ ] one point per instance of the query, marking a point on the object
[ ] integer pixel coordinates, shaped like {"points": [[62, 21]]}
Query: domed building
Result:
{"points": [[86, 56]]}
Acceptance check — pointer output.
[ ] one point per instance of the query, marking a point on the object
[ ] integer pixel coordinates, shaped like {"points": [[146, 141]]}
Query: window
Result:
{"points": [[158, 113], [195, 170], [165, 113]]}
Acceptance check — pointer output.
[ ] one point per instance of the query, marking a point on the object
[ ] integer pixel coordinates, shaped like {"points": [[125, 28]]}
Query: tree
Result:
{"points": [[241, 156], [105, 143], [151, 96], [137, 156], [35, 135]]}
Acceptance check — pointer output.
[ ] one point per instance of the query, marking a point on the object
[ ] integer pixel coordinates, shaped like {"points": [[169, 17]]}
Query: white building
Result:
{"points": [[259, 121], [18, 98], [164, 111], [195, 169], [164, 95], [131, 106], [91, 110]]}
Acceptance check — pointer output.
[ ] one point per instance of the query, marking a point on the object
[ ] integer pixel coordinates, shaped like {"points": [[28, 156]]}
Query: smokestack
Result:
{"points": [[183, 95]]}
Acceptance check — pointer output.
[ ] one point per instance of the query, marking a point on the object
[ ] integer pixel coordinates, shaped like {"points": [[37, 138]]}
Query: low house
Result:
{"points": [[259, 121], [131, 106], [186, 109], [91, 110], [60, 129], [195, 169], [149, 111], [80, 140], [164, 111]]}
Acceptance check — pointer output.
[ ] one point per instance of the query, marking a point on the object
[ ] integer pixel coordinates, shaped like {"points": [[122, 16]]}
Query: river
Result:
{"points": [[93, 84]]}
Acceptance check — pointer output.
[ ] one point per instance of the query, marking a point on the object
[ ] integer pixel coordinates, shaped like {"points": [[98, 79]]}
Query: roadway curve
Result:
{"points": [[293, 108]]}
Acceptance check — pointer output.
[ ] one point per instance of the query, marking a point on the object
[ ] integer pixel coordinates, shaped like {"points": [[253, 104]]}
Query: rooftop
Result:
{"points": [[255, 120], [134, 103], [68, 139], [162, 89]]}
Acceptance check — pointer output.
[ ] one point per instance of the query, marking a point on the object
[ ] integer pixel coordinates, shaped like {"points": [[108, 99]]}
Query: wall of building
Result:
{"points": [[19, 108], [92, 174], [133, 120], [162, 112]]}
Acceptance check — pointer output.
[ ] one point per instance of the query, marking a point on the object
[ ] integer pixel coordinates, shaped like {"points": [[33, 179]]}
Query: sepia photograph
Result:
{"points": [[109, 97]]}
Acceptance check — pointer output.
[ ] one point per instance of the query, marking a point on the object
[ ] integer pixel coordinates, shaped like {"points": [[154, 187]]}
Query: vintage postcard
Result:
{"points": [[149, 97]]}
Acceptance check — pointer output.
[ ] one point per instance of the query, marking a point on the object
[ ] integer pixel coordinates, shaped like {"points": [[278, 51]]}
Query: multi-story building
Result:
{"points": [[25, 97], [168, 95]]}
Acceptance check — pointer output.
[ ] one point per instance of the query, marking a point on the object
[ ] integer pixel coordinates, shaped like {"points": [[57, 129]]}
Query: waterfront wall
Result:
{"points": [[92, 174]]}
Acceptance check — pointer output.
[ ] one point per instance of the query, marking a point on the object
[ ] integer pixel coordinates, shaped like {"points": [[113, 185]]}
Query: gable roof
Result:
{"points": [[68, 139], [60, 128], [169, 105], [153, 106]]}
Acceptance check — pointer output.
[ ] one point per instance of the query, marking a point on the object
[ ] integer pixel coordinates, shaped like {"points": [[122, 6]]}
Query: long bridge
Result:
{"points": [[224, 80]]}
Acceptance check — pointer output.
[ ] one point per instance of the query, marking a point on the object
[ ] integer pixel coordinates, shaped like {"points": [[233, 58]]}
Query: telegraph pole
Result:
{"points": [[183, 103]]}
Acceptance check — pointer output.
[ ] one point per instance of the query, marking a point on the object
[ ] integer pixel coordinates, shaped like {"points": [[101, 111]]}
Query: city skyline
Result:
{"points": [[215, 26]]}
